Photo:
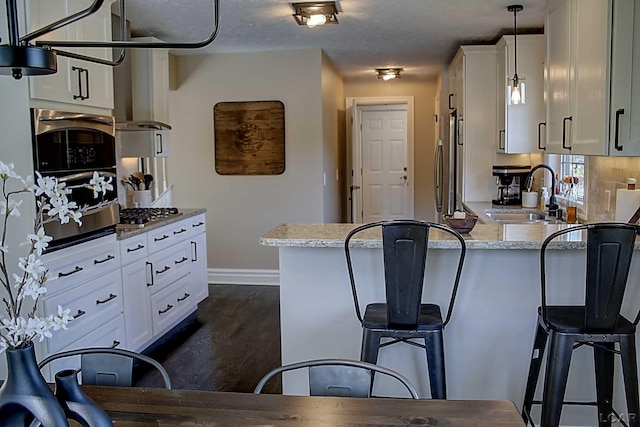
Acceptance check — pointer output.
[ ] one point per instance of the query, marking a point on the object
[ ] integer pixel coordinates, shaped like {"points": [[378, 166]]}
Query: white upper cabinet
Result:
{"points": [[587, 76], [518, 125], [75, 82], [624, 132], [577, 76]]}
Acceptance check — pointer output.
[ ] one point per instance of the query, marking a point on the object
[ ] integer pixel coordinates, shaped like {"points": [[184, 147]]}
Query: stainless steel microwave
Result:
{"points": [[71, 146]]}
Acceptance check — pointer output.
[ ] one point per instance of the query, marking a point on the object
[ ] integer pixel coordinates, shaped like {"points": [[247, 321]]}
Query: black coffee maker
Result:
{"points": [[510, 181]]}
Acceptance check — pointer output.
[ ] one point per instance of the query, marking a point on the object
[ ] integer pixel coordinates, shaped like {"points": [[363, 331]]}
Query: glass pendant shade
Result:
{"points": [[515, 91]]}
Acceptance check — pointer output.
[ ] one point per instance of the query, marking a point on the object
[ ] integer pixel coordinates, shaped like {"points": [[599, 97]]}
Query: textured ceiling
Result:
{"points": [[418, 35]]}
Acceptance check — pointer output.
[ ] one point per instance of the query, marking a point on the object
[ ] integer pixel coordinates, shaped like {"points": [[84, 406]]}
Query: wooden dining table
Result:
{"points": [[160, 407]]}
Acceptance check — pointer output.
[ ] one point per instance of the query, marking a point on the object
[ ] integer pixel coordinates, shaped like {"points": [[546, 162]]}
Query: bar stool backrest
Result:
{"points": [[610, 248], [405, 257], [404, 245]]}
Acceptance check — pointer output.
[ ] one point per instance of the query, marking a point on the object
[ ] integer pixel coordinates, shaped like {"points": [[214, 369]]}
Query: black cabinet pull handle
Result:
{"points": [[540, 135], [564, 132], [104, 301], [501, 137], [450, 105], [616, 140], [137, 248], [115, 343], [74, 271], [182, 230], [184, 297], [198, 224], [169, 307], [79, 313], [86, 83], [79, 70], [159, 145], [159, 239], [194, 258], [166, 268], [180, 261], [150, 273], [100, 261]]}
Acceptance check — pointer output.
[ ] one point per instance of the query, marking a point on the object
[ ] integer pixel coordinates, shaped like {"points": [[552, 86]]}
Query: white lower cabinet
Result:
{"points": [[88, 282], [164, 277]]}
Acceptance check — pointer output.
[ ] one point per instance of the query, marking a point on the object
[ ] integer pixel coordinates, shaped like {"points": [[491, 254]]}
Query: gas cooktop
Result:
{"points": [[141, 217]]}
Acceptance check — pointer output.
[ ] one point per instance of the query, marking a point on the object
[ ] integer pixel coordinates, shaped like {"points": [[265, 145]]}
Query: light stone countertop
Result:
{"points": [[483, 236]]}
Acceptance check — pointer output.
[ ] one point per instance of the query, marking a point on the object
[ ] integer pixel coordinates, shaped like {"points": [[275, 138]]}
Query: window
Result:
{"points": [[572, 166]]}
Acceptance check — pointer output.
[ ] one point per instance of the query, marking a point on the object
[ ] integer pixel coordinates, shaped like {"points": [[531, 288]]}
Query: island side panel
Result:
{"points": [[487, 343]]}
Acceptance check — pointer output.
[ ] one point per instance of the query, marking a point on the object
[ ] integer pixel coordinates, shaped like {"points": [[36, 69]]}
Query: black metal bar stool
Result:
{"points": [[403, 316], [598, 323]]}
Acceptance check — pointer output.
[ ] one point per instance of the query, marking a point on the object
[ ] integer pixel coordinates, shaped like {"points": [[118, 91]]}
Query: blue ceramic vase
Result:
{"points": [[25, 395], [77, 405]]}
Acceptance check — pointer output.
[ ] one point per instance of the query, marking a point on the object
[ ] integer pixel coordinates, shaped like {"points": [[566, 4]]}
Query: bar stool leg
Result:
{"points": [[434, 345], [370, 346], [539, 344], [604, 382], [630, 374], [557, 372]]}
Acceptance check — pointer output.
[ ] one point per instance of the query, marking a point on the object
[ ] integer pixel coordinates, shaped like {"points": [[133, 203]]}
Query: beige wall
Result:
{"points": [[424, 92], [334, 137], [242, 208]]}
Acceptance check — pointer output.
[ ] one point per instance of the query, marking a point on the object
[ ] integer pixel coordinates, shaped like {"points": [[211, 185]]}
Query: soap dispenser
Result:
{"points": [[544, 199]]}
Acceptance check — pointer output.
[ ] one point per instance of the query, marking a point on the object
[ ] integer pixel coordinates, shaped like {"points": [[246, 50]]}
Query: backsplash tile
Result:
{"points": [[608, 174]]}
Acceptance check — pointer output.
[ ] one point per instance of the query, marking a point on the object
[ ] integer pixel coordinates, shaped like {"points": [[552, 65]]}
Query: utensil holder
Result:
{"points": [[529, 199], [142, 198]]}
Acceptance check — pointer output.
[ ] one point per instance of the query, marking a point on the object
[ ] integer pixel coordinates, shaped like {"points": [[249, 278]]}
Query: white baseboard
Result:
{"points": [[230, 276]]}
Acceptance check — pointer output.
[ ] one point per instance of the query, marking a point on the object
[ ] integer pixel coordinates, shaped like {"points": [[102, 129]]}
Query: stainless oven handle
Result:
{"points": [[85, 117], [84, 175]]}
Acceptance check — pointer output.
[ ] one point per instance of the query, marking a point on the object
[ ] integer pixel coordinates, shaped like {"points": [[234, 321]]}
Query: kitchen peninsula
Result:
{"points": [[490, 336]]}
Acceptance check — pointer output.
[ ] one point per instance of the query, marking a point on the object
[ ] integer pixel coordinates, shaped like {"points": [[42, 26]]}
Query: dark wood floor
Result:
{"points": [[235, 341]]}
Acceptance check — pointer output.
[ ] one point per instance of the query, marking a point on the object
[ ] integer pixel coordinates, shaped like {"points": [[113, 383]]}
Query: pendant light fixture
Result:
{"points": [[515, 84], [25, 56]]}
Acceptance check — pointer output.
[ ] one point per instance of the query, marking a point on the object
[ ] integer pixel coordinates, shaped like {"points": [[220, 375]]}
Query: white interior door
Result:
{"points": [[385, 184]]}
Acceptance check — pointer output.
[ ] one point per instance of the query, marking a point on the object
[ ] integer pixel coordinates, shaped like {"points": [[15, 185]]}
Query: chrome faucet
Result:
{"points": [[553, 206]]}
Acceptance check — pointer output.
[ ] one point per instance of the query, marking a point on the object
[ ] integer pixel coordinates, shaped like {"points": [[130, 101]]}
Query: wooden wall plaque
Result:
{"points": [[249, 138]]}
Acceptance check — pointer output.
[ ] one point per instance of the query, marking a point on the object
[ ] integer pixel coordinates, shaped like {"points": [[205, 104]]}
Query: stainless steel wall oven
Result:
{"points": [[71, 146]]}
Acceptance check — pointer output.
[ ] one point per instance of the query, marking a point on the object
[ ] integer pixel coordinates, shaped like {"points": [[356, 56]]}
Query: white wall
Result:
{"points": [[242, 208], [15, 147]]}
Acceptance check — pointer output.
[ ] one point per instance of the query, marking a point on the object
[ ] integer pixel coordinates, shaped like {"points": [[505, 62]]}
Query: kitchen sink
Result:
{"points": [[519, 217]]}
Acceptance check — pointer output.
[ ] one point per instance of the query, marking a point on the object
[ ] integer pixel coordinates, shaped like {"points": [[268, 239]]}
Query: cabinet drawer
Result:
{"points": [[170, 305], [133, 249], [195, 225], [77, 264], [161, 238], [111, 334], [168, 266], [91, 304]]}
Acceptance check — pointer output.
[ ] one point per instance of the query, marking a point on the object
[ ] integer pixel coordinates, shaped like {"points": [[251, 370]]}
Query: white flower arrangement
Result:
{"points": [[18, 330]]}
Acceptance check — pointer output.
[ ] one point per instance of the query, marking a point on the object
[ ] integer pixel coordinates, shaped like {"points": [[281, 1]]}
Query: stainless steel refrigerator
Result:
{"points": [[447, 178]]}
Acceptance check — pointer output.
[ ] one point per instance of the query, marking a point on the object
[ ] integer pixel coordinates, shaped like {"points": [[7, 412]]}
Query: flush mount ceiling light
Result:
{"points": [[515, 84], [25, 56], [313, 14], [389, 73]]}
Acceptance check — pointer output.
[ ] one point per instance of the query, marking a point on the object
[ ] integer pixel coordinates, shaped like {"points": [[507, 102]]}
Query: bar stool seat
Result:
{"points": [[375, 317], [598, 323], [403, 317], [569, 319]]}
